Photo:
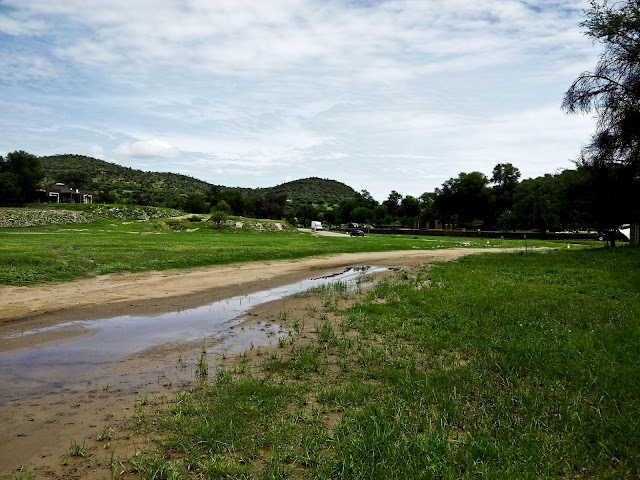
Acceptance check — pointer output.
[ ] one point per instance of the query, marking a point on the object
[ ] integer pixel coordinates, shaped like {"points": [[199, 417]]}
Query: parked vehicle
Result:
{"points": [[356, 233], [316, 226]]}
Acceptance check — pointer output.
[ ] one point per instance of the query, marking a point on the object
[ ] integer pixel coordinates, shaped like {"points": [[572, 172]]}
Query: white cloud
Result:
{"points": [[18, 68], [13, 26], [147, 149], [399, 94], [96, 151]]}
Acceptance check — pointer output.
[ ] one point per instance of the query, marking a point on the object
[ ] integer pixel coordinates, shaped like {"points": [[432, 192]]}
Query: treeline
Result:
{"points": [[596, 197], [587, 197]]}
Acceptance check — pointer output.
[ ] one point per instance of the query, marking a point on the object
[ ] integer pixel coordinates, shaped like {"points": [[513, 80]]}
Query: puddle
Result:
{"points": [[82, 361]]}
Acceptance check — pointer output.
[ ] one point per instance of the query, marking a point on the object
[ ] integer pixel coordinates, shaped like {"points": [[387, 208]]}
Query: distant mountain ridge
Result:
{"points": [[129, 184]]}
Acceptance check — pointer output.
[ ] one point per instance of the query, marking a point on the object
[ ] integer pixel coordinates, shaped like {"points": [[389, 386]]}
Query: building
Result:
{"points": [[60, 193]]}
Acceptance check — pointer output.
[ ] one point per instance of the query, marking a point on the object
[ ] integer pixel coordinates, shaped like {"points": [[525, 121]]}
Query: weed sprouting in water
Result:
{"points": [[164, 380], [77, 450], [296, 324], [139, 416], [244, 356], [202, 369], [116, 465], [24, 476], [181, 364], [105, 434]]}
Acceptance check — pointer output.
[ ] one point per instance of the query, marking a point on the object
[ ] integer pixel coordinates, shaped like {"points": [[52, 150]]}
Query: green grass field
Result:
{"points": [[33, 255], [507, 365]]}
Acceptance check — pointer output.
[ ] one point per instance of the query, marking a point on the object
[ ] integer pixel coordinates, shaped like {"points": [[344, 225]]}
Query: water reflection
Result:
{"points": [[60, 366]]}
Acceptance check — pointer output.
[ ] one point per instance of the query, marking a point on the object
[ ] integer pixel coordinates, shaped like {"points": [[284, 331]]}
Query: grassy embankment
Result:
{"points": [[114, 240], [507, 365]]}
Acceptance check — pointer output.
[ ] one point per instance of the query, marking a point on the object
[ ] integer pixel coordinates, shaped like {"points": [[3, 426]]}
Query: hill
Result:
{"points": [[313, 189], [114, 182], [127, 184]]}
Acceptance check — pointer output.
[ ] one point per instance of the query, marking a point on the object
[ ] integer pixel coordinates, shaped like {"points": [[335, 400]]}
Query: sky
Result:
{"points": [[379, 94]]}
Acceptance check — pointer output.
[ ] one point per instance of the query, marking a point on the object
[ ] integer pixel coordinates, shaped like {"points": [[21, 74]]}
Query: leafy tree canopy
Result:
{"points": [[612, 90], [20, 174]]}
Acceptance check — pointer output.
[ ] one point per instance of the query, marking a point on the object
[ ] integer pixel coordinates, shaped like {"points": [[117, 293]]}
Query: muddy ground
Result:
{"points": [[37, 431]]}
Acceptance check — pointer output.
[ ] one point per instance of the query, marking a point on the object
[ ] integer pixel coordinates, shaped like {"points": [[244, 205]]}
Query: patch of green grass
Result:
{"points": [[497, 366], [33, 255], [223, 416]]}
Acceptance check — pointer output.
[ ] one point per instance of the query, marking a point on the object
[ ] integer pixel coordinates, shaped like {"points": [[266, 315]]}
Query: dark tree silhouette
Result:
{"points": [[612, 91], [20, 174]]}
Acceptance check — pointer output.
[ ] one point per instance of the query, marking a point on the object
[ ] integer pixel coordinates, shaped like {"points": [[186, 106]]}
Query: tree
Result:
{"points": [[608, 194], [367, 200], [196, 204], [428, 214], [143, 198], [9, 189], [24, 175], [362, 215], [305, 214], [330, 217], [409, 211], [271, 205], [214, 195], [105, 196], [563, 201], [505, 177], [393, 203], [381, 214], [76, 179], [218, 216], [612, 90], [464, 199], [535, 204]]}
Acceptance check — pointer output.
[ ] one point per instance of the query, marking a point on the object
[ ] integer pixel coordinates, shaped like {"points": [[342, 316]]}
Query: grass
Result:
{"points": [[24, 476], [202, 368], [507, 365], [77, 450], [35, 255]]}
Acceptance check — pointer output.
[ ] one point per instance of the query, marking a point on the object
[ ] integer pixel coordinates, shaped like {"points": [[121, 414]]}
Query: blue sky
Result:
{"points": [[381, 95]]}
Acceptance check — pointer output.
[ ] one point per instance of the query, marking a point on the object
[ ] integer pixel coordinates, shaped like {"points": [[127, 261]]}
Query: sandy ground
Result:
{"points": [[36, 432]]}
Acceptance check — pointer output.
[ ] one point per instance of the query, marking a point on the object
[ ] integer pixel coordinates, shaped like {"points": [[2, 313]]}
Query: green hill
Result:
{"points": [[115, 183], [313, 189], [127, 184]]}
